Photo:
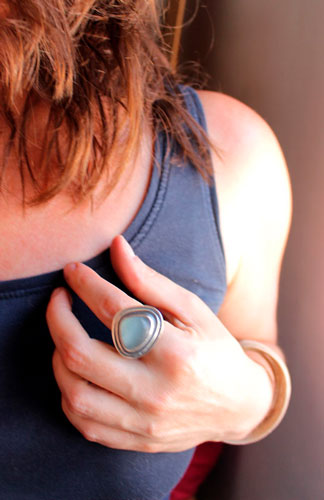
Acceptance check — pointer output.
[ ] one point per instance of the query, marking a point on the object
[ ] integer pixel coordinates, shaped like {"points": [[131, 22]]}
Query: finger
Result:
{"points": [[109, 436], [91, 402], [126, 440], [86, 404], [89, 358], [155, 289], [103, 298]]}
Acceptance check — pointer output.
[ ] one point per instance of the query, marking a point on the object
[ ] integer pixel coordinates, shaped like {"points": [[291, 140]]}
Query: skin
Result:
{"points": [[197, 384]]}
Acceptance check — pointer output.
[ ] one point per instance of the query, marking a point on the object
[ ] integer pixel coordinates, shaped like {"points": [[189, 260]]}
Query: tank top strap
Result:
{"points": [[180, 236], [195, 108]]}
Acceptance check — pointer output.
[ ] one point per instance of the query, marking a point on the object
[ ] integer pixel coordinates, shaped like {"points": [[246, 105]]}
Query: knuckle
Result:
{"points": [[76, 402], [89, 433], [180, 365], [74, 358], [159, 404], [106, 307], [124, 422], [149, 447], [152, 407], [150, 429], [153, 430], [134, 392]]}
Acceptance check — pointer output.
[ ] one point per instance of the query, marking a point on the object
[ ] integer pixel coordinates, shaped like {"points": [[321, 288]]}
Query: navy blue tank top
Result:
{"points": [[42, 456]]}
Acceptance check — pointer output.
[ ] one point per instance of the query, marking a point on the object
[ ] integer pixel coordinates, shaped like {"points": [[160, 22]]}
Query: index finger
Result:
{"points": [[91, 359], [103, 298]]}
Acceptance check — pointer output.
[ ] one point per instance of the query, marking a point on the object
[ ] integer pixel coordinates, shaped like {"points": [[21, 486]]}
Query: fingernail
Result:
{"points": [[57, 292], [70, 267], [60, 290], [69, 270]]}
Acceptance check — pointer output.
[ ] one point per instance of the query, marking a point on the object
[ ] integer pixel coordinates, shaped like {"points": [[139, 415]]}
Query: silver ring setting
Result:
{"points": [[135, 330]]}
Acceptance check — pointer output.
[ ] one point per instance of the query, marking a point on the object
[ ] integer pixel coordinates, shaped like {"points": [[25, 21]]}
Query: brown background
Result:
{"points": [[269, 54]]}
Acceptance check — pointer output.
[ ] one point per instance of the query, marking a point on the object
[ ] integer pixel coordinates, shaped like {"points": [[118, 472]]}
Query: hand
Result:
{"points": [[195, 385]]}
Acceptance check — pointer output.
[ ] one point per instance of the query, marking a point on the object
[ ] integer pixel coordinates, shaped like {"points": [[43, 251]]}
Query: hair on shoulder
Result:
{"points": [[99, 69]]}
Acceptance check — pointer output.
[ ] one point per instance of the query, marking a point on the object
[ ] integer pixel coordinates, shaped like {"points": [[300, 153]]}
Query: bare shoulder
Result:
{"points": [[254, 196], [248, 149]]}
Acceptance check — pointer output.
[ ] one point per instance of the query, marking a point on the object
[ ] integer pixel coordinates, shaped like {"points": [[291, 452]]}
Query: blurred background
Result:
{"points": [[269, 54]]}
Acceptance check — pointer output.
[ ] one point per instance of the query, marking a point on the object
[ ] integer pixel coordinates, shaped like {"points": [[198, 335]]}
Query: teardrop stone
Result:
{"points": [[134, 331]]}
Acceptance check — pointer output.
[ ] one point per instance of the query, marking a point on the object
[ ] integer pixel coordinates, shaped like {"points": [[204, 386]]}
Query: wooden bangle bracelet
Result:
{"points": [[281, 396]]}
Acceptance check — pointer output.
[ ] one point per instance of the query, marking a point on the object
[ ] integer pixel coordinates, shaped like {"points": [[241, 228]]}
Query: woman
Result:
{"points": [[98, 140]]}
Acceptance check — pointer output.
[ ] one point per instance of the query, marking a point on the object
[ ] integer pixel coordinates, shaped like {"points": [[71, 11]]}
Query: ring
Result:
{"points": [[135, 330]]}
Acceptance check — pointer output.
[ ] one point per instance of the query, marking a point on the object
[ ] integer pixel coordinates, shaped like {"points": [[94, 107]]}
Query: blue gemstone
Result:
{"points": [[134, 331]]}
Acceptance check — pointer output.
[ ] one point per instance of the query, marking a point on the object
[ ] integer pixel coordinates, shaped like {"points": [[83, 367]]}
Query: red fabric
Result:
{"points": [[203, 460]]}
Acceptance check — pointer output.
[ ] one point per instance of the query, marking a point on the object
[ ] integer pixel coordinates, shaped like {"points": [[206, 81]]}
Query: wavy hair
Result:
{"points": [[86, 60]]}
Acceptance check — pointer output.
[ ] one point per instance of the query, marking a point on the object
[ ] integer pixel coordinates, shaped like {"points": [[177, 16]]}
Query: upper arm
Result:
{"points": [[255, 210]]}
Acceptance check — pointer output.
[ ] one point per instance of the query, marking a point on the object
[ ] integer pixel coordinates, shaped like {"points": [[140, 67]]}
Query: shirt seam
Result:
{"points": [[209, 192], [157, 205]]}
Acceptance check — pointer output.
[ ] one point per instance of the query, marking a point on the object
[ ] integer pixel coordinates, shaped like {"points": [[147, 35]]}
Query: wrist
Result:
{"points": [[250, 398], [262, 390], [279, 378]]}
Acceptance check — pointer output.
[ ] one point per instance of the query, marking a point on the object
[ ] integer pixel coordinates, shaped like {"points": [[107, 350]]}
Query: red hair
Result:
{"points": [[99, 69]]}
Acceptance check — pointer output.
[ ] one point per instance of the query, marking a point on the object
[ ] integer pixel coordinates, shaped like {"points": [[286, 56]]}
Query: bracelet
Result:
{"points": [[281, 396]]}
